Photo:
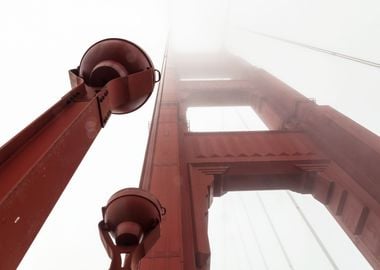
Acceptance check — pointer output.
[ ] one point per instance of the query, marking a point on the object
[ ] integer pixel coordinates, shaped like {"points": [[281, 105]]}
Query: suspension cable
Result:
{"points": [[240, 233], [254, 232], [314, 233], [333, 53], [274, 231]]}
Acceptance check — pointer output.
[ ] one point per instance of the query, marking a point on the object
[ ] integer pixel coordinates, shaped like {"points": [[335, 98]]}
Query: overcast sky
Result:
{"points": [[41, 40]]}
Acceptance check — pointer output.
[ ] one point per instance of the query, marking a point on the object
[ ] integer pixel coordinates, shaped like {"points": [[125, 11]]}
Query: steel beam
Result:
{"points": [[36, 166]]}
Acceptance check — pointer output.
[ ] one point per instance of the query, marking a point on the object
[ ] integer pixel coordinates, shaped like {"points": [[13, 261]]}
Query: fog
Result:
{"points": [[40, 41]]}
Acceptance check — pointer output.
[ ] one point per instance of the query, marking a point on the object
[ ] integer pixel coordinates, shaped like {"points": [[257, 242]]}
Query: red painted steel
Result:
{"points": [[37, 164], [123, 68], [132, 218], [33, 172], [310, 149]]}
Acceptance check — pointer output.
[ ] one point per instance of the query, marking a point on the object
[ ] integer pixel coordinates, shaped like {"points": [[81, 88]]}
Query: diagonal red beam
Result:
{"points": [[36, 166]]}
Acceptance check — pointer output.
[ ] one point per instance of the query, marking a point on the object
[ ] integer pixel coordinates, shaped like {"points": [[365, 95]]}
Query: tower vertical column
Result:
{"points": [[164, 176], [350, 183]]}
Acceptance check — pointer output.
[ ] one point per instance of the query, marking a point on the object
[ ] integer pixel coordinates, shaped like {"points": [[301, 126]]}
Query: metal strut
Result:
{"points": [[114, 76]]}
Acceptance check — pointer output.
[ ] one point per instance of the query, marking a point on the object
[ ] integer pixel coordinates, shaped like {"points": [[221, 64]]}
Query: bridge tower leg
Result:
{"points": [[309, 149]]}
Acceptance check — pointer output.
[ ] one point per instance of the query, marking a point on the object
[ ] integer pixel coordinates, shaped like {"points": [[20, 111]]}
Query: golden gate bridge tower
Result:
{"points": [[309, 149]]}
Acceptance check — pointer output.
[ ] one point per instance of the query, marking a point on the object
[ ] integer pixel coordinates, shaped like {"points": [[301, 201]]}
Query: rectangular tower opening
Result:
{"points": [[225, 118]]}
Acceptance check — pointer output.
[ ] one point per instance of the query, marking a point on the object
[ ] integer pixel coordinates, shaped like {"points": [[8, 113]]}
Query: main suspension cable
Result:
{"points": [[334, 53]]}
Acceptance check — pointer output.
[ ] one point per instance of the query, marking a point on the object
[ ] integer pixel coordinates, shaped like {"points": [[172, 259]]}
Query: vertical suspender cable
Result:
{"points": [[320, 243], [241, 239], [254, 233], [275, 231]]}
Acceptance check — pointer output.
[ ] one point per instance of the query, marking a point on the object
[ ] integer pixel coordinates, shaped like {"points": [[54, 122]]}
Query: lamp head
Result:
{"points": [[130, 214], [123, 68]]}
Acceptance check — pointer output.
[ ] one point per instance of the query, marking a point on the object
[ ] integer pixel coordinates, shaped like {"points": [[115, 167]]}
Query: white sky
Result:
{"points": [[41, 40]]}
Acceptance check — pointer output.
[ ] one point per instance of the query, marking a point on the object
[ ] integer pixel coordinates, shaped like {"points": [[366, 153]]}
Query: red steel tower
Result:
{"points": [[309, 149]]}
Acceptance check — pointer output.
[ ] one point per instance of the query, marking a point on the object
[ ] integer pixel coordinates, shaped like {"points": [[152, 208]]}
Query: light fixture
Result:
{"points": [[130, 226]]}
